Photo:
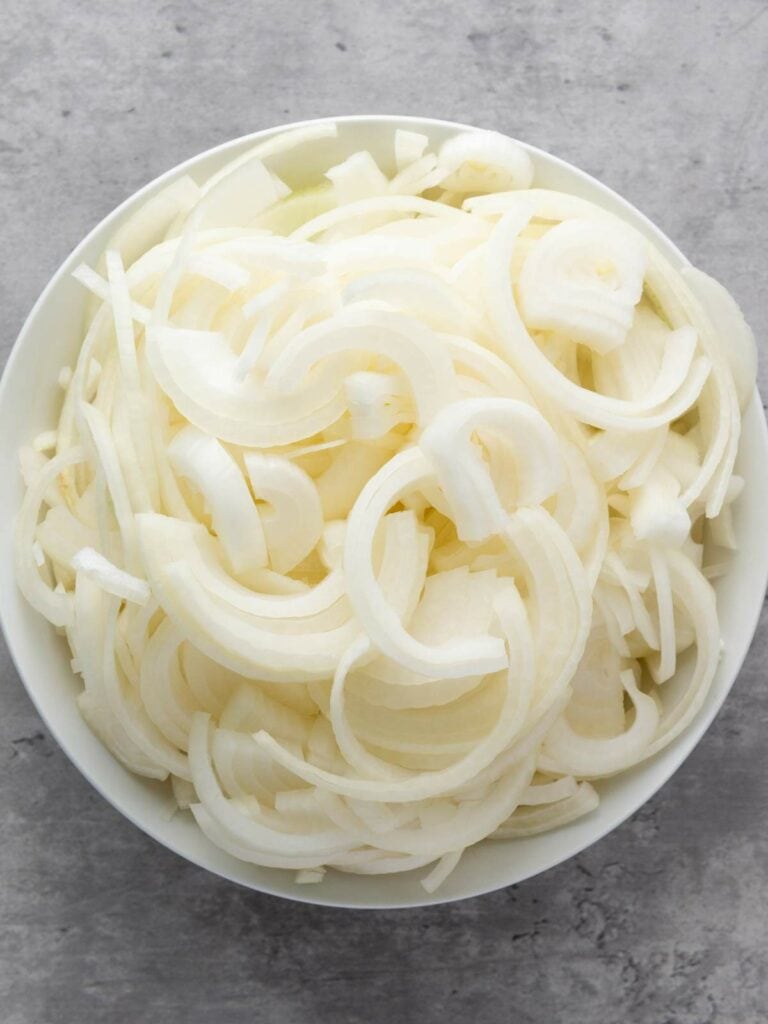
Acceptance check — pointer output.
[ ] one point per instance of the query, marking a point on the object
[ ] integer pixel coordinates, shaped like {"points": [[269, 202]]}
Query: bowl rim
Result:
{"points": [[678, 751]]}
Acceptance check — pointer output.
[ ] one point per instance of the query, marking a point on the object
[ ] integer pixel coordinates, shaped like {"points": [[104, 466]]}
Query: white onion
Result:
{"points": [[409, 147], [203, 461], [293, 524], [484, 162], [108, 576], [586, 279], [469, 489], [367, 512]]}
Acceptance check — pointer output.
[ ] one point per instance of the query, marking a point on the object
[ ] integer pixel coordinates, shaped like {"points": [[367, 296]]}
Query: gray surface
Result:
{"points": [[661, 923]]}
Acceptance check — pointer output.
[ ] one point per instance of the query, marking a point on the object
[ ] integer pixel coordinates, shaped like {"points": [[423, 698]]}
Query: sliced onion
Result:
{"points": [[568, 753], [409, 147], [678, 385], [198, 372], [377, 403], [293, 523], [728, 321], [530, 821], [215, 474], [369, 513], [484, 162], [464, 478], [358, 177], [402, 473], [425, 365], [115, 581], [56, 607]]}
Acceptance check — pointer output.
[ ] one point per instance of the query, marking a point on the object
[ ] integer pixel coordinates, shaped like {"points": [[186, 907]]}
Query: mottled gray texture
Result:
{"points": [[661, 923]]}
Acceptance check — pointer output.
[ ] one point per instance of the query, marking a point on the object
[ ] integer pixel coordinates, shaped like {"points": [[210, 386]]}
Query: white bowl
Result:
{"points": [[29, 402]]}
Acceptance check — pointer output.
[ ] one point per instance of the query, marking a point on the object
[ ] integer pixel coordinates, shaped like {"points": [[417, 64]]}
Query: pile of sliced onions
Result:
{"points": [[379, 515]]}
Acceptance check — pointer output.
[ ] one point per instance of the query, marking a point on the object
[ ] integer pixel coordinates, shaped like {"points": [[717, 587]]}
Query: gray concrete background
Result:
{"points": [[665, 921]]}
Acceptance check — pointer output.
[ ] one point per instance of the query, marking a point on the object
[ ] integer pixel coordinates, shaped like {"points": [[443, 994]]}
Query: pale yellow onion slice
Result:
{"points": [[541, 793], [402, 601], [511, 716], [473, 359], [164, 693], [245, 830], [463, 476], [293, 522], [62, 534], [596, 706], [656, 512], [269, 252], [559, 599], [409, 147], [453, 727], [198, 372], [677, 387], [402, 473], [251, 707], [642, 619], [612, 453], [232, 638], [89, 639], [148, 225], [246, 643], [109, 577], [209, 467], [444, 867], [419, 176], [121, 705], [728, 322], [453, 603], [530, 821], [217, 208], [277, 145], [483, 161], [341, 483], [694, 597], [99, 288], [405, 341], [519, 679], [377, 403], [103, 446], [680, 306], [581, 510], [584, 278], [394, 205], [630, 370], [420, 293], [212, 827], [472, 820], [664, 667], [56, 607], [567, 752], [238, 196], [450, 240], [357, 177], [31, 462], [640, 471], [210, 684], [165, 540]]}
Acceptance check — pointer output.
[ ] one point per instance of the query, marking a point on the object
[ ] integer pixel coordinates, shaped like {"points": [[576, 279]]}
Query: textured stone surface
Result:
{"points": [[664, 921]]}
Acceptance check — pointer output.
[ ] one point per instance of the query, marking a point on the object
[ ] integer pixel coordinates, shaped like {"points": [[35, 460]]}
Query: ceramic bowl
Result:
{"points": [[29, 403]]}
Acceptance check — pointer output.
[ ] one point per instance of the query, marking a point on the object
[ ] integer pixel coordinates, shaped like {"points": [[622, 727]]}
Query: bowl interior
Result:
{"points": [[29, 403]]}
